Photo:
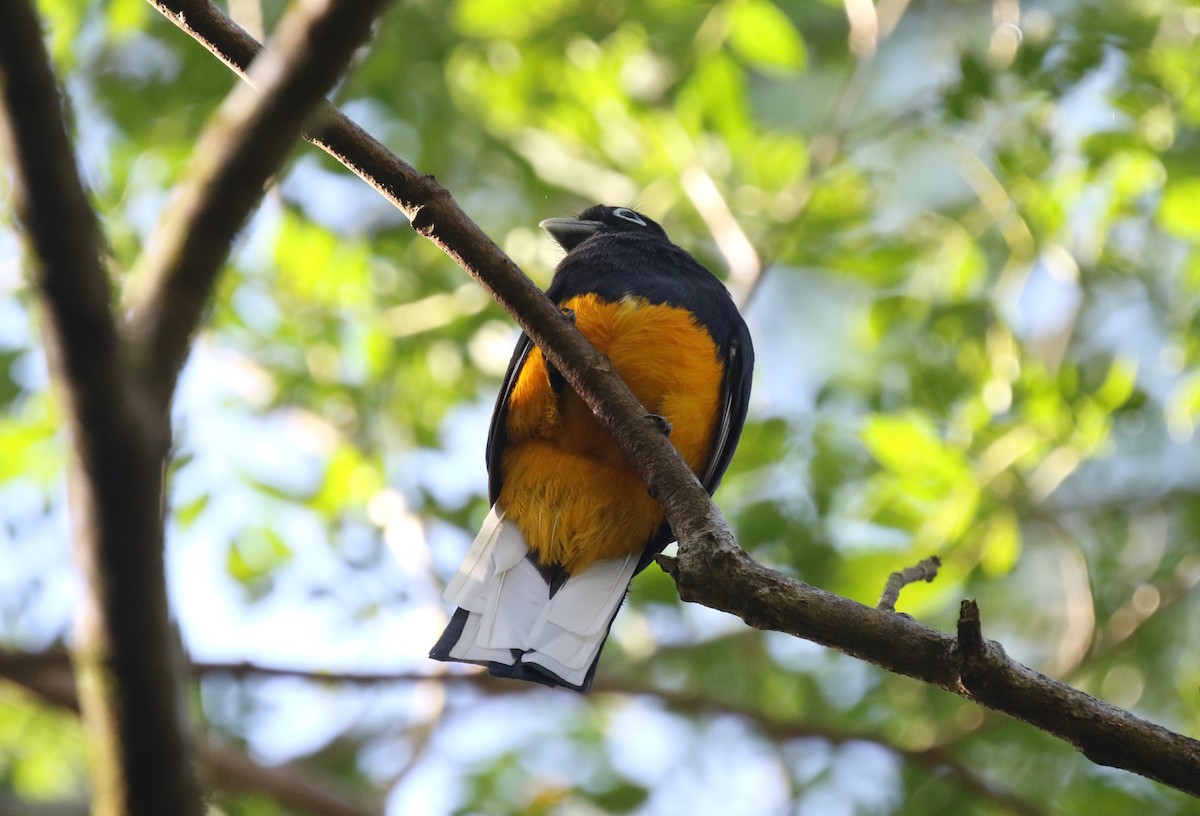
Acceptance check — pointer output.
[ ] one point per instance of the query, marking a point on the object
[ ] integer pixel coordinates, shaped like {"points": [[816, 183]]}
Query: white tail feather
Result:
{"points": [[468, 650], [473, 574], [510, 608], [515, 598], [571, 629]]}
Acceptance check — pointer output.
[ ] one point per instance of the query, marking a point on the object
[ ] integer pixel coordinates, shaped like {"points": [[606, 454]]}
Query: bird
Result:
{"points": [[571, 521]]}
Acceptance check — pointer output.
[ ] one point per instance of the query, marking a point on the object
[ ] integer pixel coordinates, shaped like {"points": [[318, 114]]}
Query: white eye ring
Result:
{"points": [[628, 215]]}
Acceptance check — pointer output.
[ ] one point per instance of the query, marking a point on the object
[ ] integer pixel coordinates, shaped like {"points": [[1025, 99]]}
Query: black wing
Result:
{"points": [[735, 400], [497, 436]]}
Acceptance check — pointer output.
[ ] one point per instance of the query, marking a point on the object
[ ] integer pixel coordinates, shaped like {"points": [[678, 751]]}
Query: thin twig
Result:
{"points": [[925, 570]]}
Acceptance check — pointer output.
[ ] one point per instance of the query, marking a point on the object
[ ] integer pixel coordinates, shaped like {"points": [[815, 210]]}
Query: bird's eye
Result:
{"points": [[629, 215]]}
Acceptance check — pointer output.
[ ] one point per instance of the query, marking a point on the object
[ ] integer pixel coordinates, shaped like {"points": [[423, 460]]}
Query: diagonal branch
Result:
{"points": [[244, 146], [711, 569], [435, 215], [969, 666]]}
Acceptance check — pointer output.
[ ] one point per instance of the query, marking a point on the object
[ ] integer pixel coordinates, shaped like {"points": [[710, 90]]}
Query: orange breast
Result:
{"points": [[567, 486]]}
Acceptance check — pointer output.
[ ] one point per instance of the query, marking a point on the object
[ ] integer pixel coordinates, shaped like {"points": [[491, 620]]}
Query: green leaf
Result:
{"points": [[760, 444], [320, 267], [624, 797], [187, 514], [1118, 386], [1001, 543], [255, 554], [503, 18], [1179, 213], [31, 444], [903, 443], [762, 35]]}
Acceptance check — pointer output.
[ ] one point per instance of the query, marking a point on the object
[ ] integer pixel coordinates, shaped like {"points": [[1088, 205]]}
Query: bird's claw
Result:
{"points": [[662, 422]]}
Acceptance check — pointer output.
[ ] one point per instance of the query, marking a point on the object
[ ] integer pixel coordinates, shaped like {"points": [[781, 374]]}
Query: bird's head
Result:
{"points": [[600, 220]]}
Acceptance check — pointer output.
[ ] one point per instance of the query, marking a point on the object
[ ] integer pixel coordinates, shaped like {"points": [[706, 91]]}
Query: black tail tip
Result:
{"points": [[532, 673]]}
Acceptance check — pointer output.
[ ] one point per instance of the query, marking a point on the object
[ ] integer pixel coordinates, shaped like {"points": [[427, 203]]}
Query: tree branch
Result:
{"points": [[246, 670], [290, 787], [242, 148], [711, 569], [48, 674], [133, 711], [130, 696]]}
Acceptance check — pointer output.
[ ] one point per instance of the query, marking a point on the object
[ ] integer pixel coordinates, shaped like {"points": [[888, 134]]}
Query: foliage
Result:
{"points": [[975, 310]]}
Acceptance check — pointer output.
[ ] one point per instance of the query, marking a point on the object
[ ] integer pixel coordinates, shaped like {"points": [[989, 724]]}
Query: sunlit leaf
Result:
{"points": [[255, 554], [319, 266], [762, 34], [506, 18], [903, 444], [1001, 543], [1180, 210]]}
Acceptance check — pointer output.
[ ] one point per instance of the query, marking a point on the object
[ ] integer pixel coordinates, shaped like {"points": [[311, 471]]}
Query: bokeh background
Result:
{"points": [[964, 236]]}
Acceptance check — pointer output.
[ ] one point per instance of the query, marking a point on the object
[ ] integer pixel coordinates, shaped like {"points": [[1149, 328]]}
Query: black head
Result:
{"points": [[600, 220]]}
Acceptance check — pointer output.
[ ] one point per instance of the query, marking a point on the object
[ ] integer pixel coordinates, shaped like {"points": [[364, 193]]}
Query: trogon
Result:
{"points": [[571, 521]]}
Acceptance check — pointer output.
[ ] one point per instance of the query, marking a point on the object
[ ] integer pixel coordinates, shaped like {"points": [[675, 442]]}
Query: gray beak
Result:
{"points": [[570, 232]]}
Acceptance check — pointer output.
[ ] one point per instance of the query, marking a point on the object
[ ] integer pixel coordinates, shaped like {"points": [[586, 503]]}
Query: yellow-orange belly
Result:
{"points": [[567, 486]]}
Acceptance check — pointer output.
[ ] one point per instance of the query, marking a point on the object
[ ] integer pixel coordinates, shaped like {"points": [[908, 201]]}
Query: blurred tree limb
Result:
{"points": [[49, 676], [128, 689], [710, 568], [116, 384]]}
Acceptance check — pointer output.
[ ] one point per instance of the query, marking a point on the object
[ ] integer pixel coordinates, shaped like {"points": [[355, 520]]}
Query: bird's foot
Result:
{"points": [[662, 422]]}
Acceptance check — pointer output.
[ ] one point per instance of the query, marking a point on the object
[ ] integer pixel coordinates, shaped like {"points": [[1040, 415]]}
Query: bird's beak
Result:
{"points": [[570, 232]]}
